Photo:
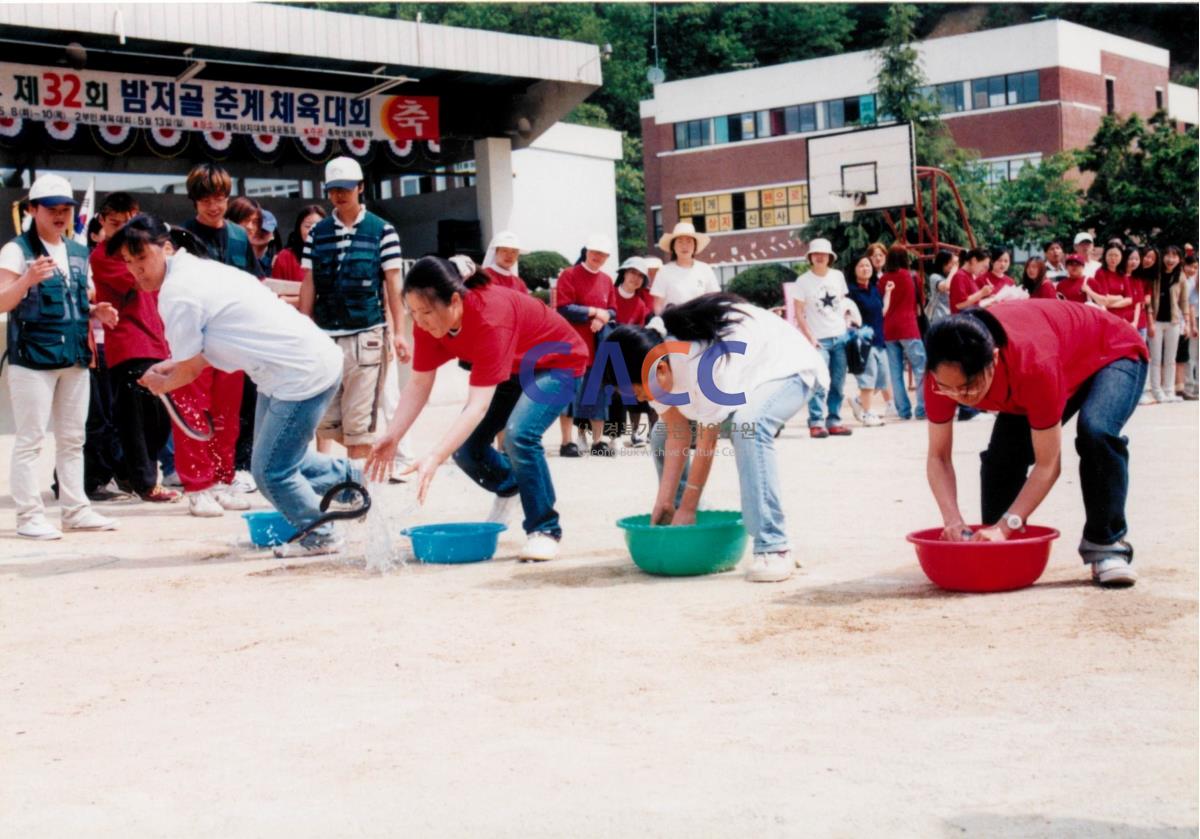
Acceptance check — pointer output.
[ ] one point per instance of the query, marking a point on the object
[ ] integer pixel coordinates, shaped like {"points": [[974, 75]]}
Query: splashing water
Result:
{"points": [[384, 549]]}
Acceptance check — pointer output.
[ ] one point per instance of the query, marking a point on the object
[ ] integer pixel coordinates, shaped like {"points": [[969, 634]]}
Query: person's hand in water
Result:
{"points": [[378, 467], [989, 534], [683, 517], [662, 514], [956, 532]]}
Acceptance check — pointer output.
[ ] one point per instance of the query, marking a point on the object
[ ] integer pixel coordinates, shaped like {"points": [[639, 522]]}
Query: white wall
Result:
{"points": [[1183, 103], [564, 188]]}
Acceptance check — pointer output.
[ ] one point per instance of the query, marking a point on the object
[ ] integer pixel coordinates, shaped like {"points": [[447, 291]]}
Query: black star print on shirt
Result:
{"points": [[828, 301]]}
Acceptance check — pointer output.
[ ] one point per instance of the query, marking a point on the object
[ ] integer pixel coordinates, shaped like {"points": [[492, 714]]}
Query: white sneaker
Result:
{"points": [[89, 519], [857, 408], [38, 528], [1113, 572], [1146, 398], [871, 420], [539, 547], [1173, 397], [319, 547], [204, 504], [503, 509], [229, 498], [243, 482], [772, 567], [1158, 396], [171, 479]]}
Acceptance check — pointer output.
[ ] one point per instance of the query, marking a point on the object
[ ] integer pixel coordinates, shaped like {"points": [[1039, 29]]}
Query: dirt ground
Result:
{"points": [[161, 680]]}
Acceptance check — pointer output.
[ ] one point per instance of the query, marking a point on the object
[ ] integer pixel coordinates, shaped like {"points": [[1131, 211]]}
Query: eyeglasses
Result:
{"points": [[971, 388]]}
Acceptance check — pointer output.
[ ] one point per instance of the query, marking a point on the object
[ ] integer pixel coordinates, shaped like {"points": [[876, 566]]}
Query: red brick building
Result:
{"points": [[728, 151]]}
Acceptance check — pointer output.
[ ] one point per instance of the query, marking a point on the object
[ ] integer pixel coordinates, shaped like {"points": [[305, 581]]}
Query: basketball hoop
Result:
{"points": [[847, 201]]}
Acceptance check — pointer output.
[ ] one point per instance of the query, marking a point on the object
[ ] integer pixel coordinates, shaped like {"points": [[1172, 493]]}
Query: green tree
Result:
{"points": [[1040, 204], [1145, 181]]}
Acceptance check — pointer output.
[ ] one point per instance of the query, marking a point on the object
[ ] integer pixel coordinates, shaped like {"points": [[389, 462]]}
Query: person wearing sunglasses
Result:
{"points": [[1038, 363]]}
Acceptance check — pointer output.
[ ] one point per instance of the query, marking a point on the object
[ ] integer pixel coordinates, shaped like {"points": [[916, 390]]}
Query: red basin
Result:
{"points": [[984, 566]]}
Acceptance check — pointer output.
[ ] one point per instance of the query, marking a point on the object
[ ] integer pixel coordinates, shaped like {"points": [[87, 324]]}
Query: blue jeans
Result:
{"points": [[768, 407], [833, 352], [522, 467], [914, 351], [290, 475], [1104, 403]]}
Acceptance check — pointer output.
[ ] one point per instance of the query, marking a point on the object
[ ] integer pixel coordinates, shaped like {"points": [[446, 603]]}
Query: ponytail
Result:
{"points": [[435, 278], [143, 230], [704, 319]]}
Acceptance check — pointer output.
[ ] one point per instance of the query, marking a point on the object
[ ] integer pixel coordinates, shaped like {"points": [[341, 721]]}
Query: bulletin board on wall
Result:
{"points": [[752, 209]]}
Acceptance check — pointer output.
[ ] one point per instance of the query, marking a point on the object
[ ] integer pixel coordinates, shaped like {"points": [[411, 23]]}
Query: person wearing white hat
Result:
{"points": [[818, 300], [633, 309], [683, 277], [44, 290], [352, 265], [501, 261], [1084, 242], [587, 298]]}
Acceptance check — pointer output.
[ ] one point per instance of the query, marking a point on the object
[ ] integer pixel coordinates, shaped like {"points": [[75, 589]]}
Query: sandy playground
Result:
{"points": [[162, 681]]}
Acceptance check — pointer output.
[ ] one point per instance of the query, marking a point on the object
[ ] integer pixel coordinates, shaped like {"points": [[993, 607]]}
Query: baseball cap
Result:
{"points": [[1076, 258], [343, 173], [269, 223], [52, 191], [1084, 237]]}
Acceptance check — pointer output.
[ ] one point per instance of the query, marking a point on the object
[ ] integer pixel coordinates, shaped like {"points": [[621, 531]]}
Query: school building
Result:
{"points": [[728, 151]]}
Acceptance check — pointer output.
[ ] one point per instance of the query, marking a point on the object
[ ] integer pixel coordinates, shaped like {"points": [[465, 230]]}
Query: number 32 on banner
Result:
{"points": [[54, 94]]}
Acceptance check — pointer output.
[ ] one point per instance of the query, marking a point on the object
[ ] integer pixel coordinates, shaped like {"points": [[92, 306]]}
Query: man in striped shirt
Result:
{"points": [[351, 263]]}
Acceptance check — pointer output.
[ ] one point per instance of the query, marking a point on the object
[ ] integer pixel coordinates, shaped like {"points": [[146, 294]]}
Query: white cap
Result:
{"points": [[1084, 237], [638, 264], [505, 239], [821, 246], [52, 191], [343, 173], [598, 242]]}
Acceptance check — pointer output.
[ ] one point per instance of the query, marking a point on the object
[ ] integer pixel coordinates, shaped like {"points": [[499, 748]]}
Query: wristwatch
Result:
{"points": [[1013, 522]]}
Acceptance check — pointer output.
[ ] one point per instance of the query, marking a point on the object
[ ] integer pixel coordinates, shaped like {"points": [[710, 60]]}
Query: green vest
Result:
{"points": [[48, 329], [348, 295]]}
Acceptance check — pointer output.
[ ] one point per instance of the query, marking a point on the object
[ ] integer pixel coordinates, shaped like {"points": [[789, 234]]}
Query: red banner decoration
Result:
{"points": [[11, 126], [114, 135], [401, 149], [266, 143], [167, 138], [410, 117], [62, 131], [218, 140], [314, 149], [358, 147]]}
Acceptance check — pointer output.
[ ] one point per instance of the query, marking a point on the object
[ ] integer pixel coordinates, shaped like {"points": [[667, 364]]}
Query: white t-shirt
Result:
{"points": [[240, 324], [677, 285], [822, 297], [11, 258], [774, 350]]}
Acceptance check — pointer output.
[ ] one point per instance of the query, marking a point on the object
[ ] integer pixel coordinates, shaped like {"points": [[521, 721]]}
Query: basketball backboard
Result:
{"points": [[870, 168]]}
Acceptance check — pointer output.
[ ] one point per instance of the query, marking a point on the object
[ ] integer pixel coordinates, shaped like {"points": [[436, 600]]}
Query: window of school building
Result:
{"points": [[778, 206]]}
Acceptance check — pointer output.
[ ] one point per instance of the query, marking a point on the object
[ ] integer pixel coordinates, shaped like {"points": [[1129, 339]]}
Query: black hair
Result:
{"points": [[621, 276], [1190, 259], [1126, 253], [996, 252], [582, 256], [1038, 279], [897, 259], [242, 209], [119, 202], [1163, 275], [1048, 245], [977, 254], [1151, 273], [704, 319], [295, 242], [93, 229], [435, 278], [143, 230], [967, 339], [941, 261]]}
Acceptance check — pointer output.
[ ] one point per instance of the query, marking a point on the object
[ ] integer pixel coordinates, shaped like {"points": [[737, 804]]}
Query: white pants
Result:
{"points": [[1163, 347], [41, 400]]}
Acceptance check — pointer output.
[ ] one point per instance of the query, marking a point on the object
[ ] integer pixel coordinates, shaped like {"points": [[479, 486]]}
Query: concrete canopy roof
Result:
{"points": [[488, 80]]}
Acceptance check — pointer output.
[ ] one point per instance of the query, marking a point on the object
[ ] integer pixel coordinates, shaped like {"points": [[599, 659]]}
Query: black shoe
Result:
{"points": [[569, 450], [602, 449]]}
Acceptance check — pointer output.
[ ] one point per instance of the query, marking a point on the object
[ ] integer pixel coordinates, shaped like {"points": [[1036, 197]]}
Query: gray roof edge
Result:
{"points": [[276, 28]]}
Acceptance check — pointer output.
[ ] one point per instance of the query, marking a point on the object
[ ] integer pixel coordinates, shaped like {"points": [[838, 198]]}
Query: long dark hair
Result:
{"points": [[295, 242], [1032, 284], [967, 339], [941, 261], [143, 230], [439, 279], [705, 319]]}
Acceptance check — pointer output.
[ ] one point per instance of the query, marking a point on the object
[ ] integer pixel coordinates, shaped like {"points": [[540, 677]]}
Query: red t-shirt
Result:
{"points": [[1052, 350], [998, 281], [962, 285], [900, 321], [139, 331], [633, 310], [1141, 287], [580, 286], [499, 326], [507, 280], [1072, 290], [1110, 282], [287, 267], [1045, 291]]}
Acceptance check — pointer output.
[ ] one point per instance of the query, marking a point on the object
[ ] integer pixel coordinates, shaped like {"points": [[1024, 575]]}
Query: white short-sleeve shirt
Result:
{"points": [[12, 259], [676, 286], [823, 297], [240, 324]]}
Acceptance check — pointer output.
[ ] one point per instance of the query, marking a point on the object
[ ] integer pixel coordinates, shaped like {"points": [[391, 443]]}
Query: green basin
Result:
{"points": [[714, 543]]}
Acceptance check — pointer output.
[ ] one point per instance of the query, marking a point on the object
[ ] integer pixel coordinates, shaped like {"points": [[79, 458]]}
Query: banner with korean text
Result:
{"points": [[55, 94]]}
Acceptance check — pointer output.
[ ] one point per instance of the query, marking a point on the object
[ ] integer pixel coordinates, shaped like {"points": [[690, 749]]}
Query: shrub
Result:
{"points": [[539, 267], [762, 285]]}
